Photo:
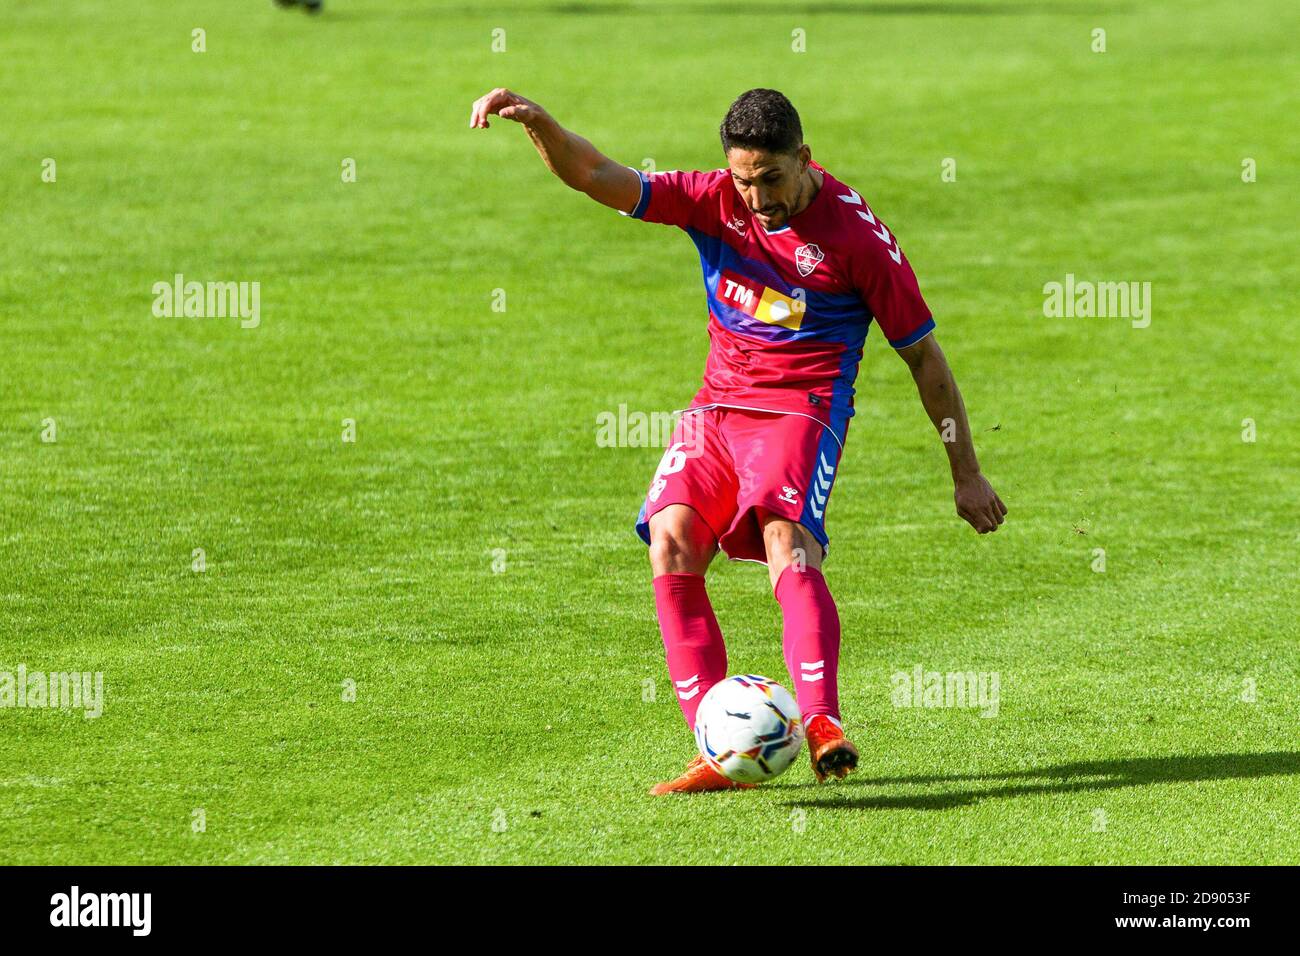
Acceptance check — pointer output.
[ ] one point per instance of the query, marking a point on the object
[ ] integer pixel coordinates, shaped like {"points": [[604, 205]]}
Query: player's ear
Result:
{"points": [[805, 157]]}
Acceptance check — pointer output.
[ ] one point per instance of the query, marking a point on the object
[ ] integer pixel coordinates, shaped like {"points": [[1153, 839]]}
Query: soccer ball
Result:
{"points": [[748, 728]]}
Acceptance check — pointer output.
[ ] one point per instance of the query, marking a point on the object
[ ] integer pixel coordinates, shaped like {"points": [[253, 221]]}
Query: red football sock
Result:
{"points": [[811, 638], [697, 658]]}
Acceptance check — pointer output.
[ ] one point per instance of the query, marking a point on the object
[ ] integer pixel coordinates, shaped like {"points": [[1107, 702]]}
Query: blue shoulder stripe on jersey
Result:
{"points": [[915, 337], [641, 204]]}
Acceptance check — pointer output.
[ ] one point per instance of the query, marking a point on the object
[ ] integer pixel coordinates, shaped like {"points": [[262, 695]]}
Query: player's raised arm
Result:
{"points": [[568, 155], [976, 500]]}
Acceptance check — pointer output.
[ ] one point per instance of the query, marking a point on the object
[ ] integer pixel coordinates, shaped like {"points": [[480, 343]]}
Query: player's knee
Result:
{"points": [[674, 554], [788, 542], [677, 546], [663, 553], [780, 538]]}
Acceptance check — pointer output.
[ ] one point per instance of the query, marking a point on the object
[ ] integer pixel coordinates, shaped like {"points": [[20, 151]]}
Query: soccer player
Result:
{"points": [[796, 267]]}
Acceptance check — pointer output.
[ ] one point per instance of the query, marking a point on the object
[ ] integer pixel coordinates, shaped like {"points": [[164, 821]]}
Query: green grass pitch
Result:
{"points": [[468, 562]]}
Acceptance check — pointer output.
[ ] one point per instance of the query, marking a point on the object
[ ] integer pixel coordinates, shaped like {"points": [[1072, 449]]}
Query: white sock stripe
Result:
{"points": [[812, 665], [689, 681], [687, 695]]}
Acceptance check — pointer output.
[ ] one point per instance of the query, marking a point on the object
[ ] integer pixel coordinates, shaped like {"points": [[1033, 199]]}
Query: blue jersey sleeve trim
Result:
{"points": [[639, 209], [915, 337]]}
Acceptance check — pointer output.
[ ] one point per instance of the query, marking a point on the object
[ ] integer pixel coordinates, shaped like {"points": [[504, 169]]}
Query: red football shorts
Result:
{"points": [[726, 463]]}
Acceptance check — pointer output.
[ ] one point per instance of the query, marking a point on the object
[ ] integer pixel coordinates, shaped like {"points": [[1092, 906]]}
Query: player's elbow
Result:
{"points": [[923, 357]]}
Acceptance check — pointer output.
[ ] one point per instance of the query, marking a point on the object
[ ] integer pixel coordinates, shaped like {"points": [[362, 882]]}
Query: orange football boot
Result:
{"points": [[832, 753], [698, 778]]}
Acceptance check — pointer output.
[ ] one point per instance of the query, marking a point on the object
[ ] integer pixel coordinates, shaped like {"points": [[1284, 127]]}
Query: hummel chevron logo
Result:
{"points": [[812, 670], [853, 199], [821, 486], [681, 684]]}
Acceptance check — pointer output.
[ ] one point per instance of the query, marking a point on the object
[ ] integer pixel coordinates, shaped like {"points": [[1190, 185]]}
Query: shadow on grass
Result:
{"points": [[1064, 778], [875, 8], [739, 9]]}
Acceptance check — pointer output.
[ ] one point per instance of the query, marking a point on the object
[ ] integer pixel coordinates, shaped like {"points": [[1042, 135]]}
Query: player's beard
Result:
{"points": [[782, 219], [777, 216]]}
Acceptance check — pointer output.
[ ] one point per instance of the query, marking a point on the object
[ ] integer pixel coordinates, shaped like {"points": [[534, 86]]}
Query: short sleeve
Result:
{"points": [[673, 197], [890, 290]]}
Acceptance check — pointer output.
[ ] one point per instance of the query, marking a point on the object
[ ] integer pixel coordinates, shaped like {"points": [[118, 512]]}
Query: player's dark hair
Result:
{"points": [[762, 119]]}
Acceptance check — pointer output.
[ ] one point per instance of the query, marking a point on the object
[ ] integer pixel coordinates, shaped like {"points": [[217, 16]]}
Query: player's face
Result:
{"points": [[770, 183]]}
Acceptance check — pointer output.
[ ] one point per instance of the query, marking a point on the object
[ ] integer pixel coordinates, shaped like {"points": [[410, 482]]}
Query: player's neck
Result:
{"points": [[808, 189]]}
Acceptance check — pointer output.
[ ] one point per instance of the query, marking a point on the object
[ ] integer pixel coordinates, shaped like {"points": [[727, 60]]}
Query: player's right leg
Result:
{"points": [[692, 493], [681, 547]]}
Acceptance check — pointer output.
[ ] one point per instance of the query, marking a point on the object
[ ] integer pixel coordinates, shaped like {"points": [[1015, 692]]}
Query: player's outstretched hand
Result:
{"points": [[501, 102], [979, 505]]}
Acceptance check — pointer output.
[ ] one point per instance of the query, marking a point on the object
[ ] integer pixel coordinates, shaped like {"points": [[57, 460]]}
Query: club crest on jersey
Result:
{"points": [[807, 258]]}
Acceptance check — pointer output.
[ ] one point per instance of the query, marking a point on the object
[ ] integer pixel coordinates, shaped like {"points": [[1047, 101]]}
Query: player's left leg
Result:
{"points": [[810, 637], [790, 463]]}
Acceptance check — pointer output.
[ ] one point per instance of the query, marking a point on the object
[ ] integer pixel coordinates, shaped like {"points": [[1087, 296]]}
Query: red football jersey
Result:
{"points": [[789, 309]]}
